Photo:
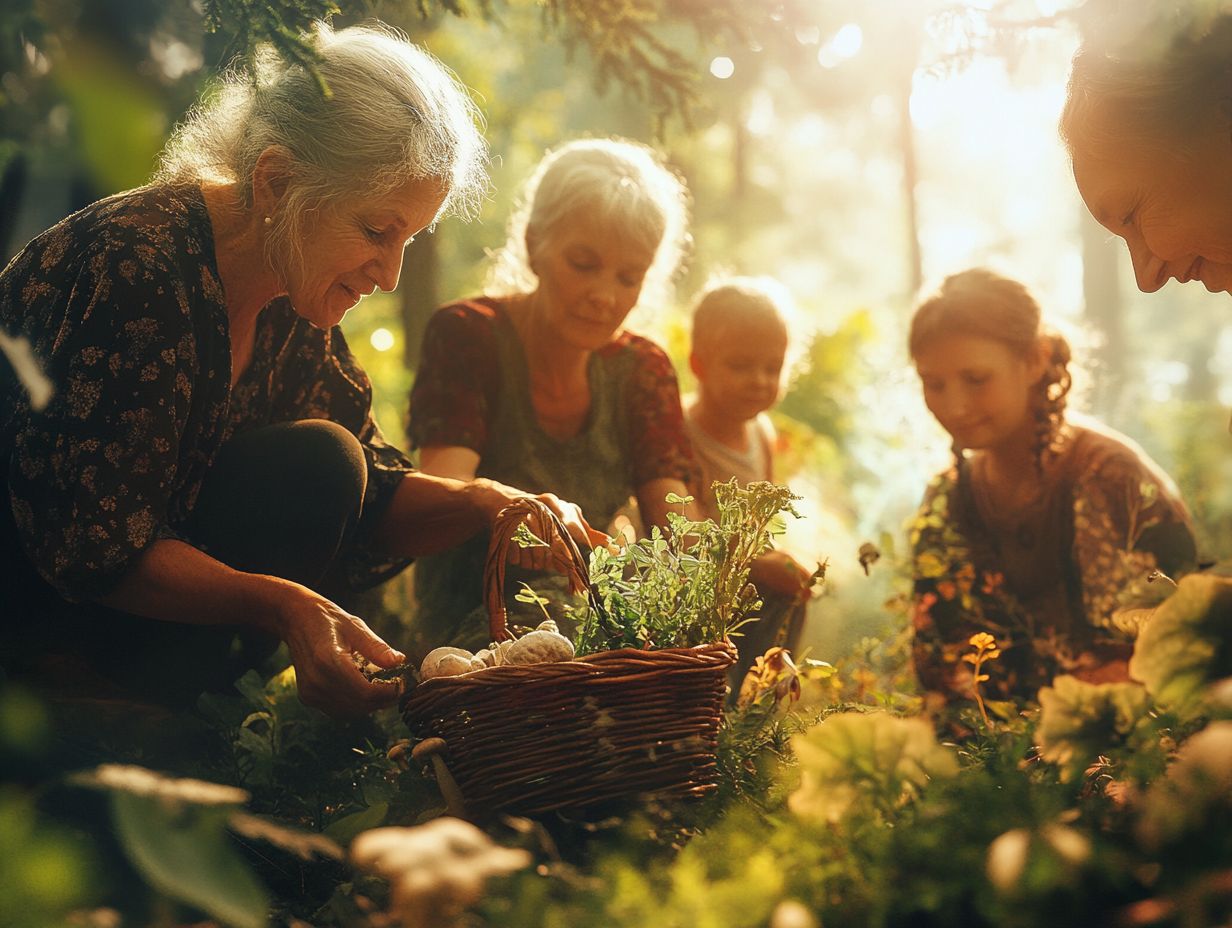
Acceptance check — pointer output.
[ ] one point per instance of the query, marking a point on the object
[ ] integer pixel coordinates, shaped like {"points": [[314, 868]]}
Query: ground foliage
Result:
{"points": [[1101, 804]]}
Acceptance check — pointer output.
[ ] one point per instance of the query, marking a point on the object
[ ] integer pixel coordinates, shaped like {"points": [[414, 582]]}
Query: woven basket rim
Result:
{"points": [[709, 654]]}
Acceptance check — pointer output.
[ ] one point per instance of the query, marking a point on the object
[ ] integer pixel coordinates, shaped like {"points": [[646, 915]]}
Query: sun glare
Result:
{"points": [[845, 44], [722, 67], [382, 339]]}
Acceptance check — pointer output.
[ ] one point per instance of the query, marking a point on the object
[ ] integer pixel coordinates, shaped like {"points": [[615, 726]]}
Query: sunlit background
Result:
{"points": [[858, 150]]}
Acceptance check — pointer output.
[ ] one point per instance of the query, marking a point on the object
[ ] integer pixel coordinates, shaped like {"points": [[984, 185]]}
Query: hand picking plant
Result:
{"points": [[688, 584]]}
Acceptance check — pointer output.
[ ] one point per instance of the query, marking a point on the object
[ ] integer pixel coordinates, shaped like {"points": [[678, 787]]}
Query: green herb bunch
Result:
{"points": [[688, 584]]}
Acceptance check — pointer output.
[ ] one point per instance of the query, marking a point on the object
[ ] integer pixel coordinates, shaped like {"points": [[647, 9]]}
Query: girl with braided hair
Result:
{"points": [[1045, 529]]}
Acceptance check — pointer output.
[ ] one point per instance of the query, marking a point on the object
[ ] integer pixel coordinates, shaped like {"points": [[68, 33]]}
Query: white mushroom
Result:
{"points": [[540, 646], [435, 870], [448, 662]]}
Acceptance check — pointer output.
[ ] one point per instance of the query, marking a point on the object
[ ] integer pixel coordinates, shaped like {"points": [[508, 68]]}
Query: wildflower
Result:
{"points": [[773, 672], [1010, 853], [985, 650], [865, 756]]}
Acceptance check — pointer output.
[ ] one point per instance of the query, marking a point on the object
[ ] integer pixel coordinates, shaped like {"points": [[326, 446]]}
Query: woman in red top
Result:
{"points": [[538, 384]]}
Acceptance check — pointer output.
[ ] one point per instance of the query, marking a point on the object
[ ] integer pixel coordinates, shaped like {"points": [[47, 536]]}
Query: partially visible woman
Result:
{"points": [[209, 463], [538, 384], [1149, 132], [1046, 529]]}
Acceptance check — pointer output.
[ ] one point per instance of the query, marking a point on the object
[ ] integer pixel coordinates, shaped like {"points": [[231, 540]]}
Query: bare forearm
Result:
{"points": [[176, 582], [430, 514]]}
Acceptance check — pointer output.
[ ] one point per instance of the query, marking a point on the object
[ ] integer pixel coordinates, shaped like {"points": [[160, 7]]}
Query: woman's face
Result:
{"points": [[353, 248], [590, 278], [1174, 210], [978, 388]]}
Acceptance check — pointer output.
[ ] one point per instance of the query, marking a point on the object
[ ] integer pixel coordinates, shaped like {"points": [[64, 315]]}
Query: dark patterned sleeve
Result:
{"points": [[1128, 522], [656, 421], [91, 474], [454, 386]]}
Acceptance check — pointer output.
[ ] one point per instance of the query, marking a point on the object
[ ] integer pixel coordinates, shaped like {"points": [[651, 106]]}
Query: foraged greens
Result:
{"points": [[688, 584]]}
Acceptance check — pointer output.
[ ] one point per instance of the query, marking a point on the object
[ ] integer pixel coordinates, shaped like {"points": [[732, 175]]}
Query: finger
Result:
{"points": [[359, 637], [351, 693], [571, 517], [597, 539]]}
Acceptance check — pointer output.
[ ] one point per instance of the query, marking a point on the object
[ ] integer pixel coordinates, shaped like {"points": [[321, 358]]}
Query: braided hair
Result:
{"points": [[982, 303]]}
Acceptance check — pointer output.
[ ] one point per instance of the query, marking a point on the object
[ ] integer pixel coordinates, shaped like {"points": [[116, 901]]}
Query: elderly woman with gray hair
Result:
{"points": [[209, 464], [539, 384]]}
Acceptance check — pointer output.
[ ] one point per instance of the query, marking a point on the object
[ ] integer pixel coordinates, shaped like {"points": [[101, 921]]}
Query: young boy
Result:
{"points": [[739, 345]]}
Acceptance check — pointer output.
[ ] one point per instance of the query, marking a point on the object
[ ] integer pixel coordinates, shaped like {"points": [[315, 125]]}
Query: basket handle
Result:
{"points": [[566, 557]]}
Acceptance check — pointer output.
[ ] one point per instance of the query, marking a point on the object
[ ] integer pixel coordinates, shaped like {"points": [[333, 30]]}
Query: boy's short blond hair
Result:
{"points": [[730, 301]]}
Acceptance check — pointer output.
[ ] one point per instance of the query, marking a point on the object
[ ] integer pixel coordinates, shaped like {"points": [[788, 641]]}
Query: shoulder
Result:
{"points": [[473, 315], [170, 222], [640, 353], [1102, 454], [155, 225], [762, 428], [939, 504]]}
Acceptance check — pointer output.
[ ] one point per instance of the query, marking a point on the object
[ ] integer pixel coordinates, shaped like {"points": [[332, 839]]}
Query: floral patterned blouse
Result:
{"points": [[1047, 582], [123, 306]]}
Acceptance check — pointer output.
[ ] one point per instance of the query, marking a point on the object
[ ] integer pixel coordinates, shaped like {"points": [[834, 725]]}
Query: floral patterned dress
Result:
{"points": [[1049, 582], [124, 308], [472, 390]]}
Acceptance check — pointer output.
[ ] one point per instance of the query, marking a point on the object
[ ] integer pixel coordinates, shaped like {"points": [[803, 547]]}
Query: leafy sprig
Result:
{"points": [[689, 583]]}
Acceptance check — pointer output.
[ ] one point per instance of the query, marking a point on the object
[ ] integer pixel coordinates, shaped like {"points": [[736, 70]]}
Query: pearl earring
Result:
{"points": [[269, 221]]}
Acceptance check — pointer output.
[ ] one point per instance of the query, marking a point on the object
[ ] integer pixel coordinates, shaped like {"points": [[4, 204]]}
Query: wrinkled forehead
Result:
{"points": [[607, 231]]}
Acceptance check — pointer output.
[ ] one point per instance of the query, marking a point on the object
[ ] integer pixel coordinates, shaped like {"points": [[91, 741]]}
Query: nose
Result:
{"points": [[603, 295], [1148, 269], [767, 380], [386, 268], [953, 407]]}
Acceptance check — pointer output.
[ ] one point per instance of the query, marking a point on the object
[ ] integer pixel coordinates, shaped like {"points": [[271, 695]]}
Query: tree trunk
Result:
{"points": [[1101, 292], [911, 177], [420, 289]]}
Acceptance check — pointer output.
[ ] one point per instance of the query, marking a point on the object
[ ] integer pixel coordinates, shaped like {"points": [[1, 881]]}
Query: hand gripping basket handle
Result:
{"points": [[566, 557]]}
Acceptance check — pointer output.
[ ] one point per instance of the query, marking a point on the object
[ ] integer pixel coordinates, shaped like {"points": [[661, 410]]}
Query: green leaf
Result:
{"points": [[186, 854], [346, 828]]}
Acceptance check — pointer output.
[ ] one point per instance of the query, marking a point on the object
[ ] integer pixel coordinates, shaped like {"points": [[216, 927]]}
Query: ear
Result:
{"points": [[696, 365], [271, 176], [533, 241]]}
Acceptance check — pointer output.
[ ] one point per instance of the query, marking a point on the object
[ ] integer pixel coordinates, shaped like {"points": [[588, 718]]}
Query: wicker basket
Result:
{"points": [[570, 735]]}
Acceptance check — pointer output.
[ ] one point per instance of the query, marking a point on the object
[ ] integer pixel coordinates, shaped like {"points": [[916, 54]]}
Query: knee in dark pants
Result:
{"points": [[283, 499], [326, 467]]}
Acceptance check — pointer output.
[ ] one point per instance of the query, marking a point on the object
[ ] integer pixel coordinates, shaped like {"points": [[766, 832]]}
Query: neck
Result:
{"points": [[1013, 460], [723, 429], [248, 282], [554, 367]]}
